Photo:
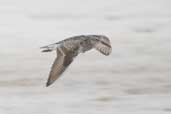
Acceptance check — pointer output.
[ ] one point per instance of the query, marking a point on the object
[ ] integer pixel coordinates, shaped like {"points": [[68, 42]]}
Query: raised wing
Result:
{"points": [[60, 64], [103, 46]]}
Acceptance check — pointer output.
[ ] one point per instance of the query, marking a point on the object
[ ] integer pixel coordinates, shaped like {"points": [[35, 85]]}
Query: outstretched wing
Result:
{"points": [[103, 46], [60, 64]]}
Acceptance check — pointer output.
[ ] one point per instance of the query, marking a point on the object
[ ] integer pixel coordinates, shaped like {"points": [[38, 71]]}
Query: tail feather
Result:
{"points": [[46, 50], [49, 48]]}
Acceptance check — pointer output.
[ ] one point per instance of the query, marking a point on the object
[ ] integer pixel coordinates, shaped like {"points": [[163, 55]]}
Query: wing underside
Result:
{"points": [[58, 67], [103, 48]]}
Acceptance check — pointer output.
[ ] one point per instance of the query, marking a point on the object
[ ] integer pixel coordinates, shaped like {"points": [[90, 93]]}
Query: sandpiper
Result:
{"points": [[69, 48]]}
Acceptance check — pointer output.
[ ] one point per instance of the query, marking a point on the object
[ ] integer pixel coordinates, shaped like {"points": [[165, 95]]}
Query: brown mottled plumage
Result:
{"points": [[69, 48]]}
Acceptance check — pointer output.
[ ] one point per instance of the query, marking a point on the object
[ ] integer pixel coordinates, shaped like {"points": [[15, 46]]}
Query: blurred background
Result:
{"points": [[134, 79]]}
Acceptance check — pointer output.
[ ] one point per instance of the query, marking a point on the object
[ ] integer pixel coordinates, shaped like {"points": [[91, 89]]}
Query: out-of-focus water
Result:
{"points": [[134, 79]]}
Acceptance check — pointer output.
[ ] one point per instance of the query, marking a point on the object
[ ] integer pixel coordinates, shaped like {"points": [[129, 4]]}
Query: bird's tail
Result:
{"points": [[50, 47]]}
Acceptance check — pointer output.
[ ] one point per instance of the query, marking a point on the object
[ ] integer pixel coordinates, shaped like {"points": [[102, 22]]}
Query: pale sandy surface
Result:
{"points": [[135, 79]]}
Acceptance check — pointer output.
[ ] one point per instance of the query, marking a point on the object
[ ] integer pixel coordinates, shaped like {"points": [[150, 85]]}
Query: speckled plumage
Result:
{"points": [[69, 48]]}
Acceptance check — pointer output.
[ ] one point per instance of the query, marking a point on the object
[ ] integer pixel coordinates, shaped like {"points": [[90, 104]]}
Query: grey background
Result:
{"points": [[134, 79]]}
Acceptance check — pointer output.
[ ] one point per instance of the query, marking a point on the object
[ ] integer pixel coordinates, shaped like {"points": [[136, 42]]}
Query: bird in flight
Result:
{"points": [[69, 48]]}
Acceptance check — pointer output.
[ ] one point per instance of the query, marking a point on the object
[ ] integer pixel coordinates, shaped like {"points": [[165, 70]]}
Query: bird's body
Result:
{"points": [[69, 48]]}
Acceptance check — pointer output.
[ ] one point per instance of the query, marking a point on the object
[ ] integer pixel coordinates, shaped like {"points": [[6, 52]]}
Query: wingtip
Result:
{"points": [[47, 84]]}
